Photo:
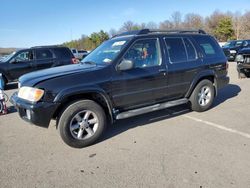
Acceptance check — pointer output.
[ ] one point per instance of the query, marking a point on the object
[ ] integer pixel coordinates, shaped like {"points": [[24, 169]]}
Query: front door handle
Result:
{"points": [[164, 71]]}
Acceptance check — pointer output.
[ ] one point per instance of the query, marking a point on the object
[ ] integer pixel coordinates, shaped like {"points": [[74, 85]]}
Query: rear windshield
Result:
{"points": [[63, 53], [209, 46]]}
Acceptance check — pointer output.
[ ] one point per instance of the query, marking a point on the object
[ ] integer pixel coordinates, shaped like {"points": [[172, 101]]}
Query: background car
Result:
{"points": [[233, 47], [79, 54], [35, 58], [243, 63]]}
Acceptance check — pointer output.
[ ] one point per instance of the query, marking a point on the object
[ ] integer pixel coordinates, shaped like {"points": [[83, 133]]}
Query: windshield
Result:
{"points": [[238, 43], [230, 44], [107, 51], [7, 58]]}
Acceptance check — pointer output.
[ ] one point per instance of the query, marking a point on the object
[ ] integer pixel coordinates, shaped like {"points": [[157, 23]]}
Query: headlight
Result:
{"points": [[30, 93], [239, 58], [233, 51]]}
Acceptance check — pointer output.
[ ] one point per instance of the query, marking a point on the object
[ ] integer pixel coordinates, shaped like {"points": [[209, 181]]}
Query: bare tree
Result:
{"points": [[151, 25], [129, 26], [112, 32], [166, 25], [193, 21], [245, 31], [177, 20]]}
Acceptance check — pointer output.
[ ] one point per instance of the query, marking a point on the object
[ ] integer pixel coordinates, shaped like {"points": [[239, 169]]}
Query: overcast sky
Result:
{"points": [[26, 23]]}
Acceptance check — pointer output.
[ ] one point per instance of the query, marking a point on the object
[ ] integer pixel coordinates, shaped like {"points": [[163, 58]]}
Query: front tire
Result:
{"points": [[203, 96], [82, 123], [4, 82]]}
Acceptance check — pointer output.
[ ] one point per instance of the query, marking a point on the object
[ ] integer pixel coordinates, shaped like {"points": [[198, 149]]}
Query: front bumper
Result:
{"points": [[244, 68], [38, 114]]}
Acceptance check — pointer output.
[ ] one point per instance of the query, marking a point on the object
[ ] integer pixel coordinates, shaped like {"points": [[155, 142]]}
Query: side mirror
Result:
{"points": [[13, 61], [125, 65], [245, 44]]}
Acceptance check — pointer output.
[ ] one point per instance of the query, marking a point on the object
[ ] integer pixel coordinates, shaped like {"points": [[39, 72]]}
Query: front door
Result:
{"points": [[22, 63], [145, 82]]}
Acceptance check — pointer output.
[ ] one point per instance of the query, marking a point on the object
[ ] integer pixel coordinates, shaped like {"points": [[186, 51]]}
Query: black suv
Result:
{"points": [[231, 48], [243, 63], [32, 59], [133, 73]]}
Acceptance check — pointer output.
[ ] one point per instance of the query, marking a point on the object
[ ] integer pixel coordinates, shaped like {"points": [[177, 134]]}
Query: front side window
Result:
{"points": [[144, 53], [43, 54], [24, 56]]}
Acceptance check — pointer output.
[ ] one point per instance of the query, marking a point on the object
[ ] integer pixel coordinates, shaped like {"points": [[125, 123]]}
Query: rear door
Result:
{"points": [[183, 65], [44, 58], [146, 82], [63, 56]]}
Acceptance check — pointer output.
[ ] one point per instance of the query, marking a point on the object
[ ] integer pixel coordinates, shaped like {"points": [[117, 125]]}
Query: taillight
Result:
{"points": [[74, 61]]}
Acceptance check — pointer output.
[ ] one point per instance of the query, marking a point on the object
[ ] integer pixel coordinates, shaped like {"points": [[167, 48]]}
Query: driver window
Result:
{"points": [[144, 53], [24, 56]]}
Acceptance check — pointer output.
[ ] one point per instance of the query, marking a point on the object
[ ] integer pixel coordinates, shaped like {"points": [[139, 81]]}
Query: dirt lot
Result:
{"points": [[170, 148]]}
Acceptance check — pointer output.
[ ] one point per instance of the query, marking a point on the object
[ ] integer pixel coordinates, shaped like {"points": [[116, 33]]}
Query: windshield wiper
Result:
{"points": [[89, 62]]}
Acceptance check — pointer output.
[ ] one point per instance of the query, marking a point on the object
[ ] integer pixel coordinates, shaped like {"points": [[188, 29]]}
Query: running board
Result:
{"points": [[152, 108]]}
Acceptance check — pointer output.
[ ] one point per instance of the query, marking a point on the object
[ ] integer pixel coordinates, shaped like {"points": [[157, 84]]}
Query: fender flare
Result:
{"points": [[64, 94], [198, 77]]}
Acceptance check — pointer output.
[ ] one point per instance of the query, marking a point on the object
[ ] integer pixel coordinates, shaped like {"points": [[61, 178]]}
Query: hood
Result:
{"points": [[230, 48], [245, 51], [34, 78]]}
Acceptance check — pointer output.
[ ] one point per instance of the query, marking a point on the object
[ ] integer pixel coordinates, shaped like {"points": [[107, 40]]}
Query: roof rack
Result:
{"points": [[200, 31], [147, 31], [47, 46]]}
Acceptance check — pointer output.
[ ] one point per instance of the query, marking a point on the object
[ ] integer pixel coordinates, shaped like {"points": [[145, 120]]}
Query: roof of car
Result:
{"points": [[50, 46], [157, 31]]}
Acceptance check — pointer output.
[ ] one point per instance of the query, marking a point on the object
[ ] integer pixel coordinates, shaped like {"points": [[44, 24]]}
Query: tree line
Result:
{"points": [[223, 25]]}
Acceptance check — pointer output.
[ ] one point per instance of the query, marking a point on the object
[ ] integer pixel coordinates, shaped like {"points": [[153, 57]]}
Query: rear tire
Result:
{"points": [[203, 96], [82, 123]]}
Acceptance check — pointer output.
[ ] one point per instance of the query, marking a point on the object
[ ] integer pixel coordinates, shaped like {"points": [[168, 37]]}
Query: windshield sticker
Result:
{"points": [[119, 43], [107, 60]]}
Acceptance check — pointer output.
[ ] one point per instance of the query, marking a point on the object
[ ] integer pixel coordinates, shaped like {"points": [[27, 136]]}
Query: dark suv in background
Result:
{"points": [[131, 74], [232, 48], [243, 63], [33, 59]]}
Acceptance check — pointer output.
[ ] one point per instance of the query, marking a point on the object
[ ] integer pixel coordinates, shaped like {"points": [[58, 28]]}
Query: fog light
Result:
{"points": [[28, 114]]}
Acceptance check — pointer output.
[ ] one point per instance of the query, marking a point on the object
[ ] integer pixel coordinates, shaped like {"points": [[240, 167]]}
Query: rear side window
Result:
{"points": [[43, 54], [176, 49], [208, 46], [191, 53], [63, 53]]}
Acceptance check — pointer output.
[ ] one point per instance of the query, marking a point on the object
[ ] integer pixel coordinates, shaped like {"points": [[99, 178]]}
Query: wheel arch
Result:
{"points": [[96, 95], [209, 75]]}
